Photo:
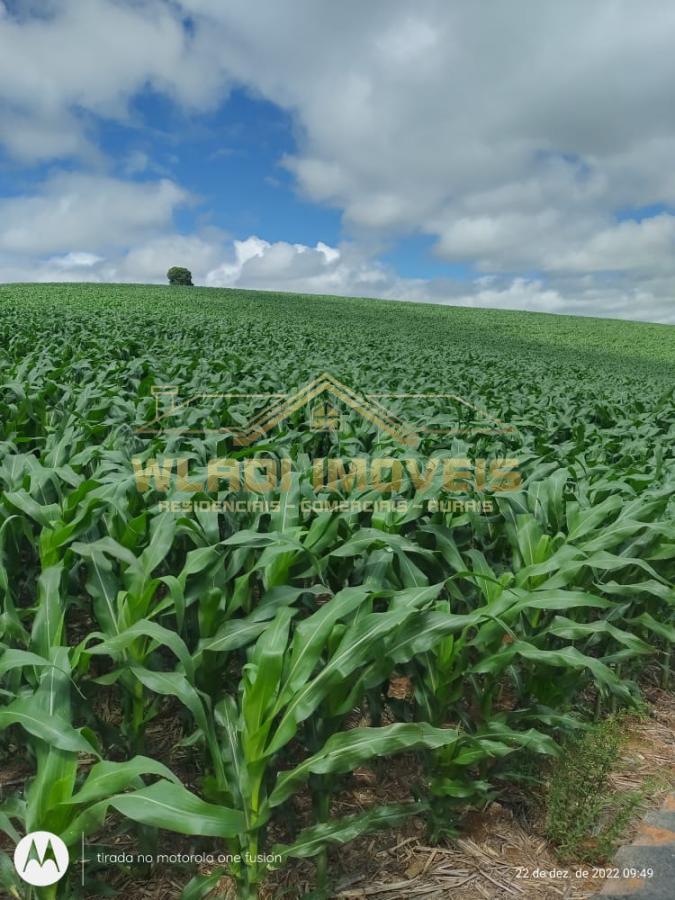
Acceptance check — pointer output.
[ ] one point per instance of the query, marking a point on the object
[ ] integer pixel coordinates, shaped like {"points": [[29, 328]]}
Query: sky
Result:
{"points": [[515, 155]]}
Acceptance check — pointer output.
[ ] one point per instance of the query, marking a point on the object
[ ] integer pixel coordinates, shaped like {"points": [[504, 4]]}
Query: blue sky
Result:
{"points": [[231, 161], [424, 153]]}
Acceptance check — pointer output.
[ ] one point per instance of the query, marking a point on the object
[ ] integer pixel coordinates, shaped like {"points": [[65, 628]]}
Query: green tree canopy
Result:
{"points": [[179, 275]]}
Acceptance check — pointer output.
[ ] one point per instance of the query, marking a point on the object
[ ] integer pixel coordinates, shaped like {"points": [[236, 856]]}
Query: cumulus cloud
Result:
{"points": [[647, 246], [511, 138], [255, 263], [74, 261], [66, 57], [76, 210]]}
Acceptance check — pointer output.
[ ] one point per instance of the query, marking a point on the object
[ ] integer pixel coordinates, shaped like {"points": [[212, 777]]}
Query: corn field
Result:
{"points": [[288, 647]]}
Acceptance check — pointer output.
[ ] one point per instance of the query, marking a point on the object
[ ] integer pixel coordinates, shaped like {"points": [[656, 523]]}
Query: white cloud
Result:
{"points": [[75, 261], [74, 210], [45, 137], [647, 246], [150, 260], [94, 57], [255, 263], [510, 136]]}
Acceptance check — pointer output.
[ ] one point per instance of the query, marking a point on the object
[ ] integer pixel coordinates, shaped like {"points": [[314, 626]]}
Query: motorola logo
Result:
{"points": [[41, 858]]}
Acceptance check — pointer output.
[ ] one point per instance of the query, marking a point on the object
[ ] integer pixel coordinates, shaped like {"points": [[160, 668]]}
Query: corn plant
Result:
{"points": [[264, 633]]}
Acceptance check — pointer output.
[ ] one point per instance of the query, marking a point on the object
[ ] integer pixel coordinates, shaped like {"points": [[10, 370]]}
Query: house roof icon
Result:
{"points": [[326, 383], [281, 406]]}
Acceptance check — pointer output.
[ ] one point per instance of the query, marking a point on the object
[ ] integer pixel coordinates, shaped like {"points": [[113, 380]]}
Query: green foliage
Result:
{"points": [[267, 628], [584, 816], [179, 275]]}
